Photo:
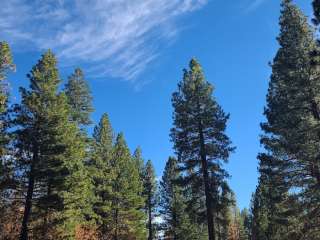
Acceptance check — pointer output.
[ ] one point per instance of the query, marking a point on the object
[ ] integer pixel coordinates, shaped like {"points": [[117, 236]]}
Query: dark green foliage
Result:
{"points": [[176, 222], [260, 213], [78, 190], [80, 107], [126, 218], [137, 157], [7, 184], [246, 221], [50, 157], [79, 98], [224, 214], [199, 139], [150, 193], [316, 8], [288, 191], [101, 172], [117, 185], [6, 65], [103, 146], [103, 135]]}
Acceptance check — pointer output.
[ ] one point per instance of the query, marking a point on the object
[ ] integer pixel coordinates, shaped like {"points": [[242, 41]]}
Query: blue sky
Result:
{"points": [[133, 53]]}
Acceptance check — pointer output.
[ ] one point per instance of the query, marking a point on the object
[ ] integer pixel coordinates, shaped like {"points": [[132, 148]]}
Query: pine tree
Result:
{"points": [[126, 218], [150, 192], [101, 172], [259, 213], [235, 226], [176, 222], [291, 133], [79, 98], [193, 197], [6, 65], [238, 225], [276, 191], [199, 138], [78, 190], [137, 157], [271, 208], [246, 223], [80, 101], [50, 154], [224, 216], [7, 179]]}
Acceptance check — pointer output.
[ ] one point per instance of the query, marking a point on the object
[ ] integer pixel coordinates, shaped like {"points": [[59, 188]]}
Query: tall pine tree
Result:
{"points": [[126, 218], [101, 172], [79, 98], [7, 180], [137, 157], [260, 213], [6, 65], [50, 152], [290, 173], [176, 222], [150, 193], [199, 138], [224, 214]]}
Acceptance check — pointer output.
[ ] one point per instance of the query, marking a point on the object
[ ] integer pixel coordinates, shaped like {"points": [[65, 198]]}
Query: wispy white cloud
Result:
{"points": [[255, 4], [116, 38]]}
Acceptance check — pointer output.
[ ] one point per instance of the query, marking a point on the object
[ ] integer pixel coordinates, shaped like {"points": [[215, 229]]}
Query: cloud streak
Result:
{"points": [[115, 38], [255, 4]]}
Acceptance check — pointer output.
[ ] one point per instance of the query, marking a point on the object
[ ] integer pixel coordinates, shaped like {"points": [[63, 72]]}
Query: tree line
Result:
{"points": [[57, 181]]}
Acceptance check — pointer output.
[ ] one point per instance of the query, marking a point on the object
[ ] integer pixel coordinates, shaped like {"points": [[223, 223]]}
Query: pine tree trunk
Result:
{"points": [[28, 203], [211, 228]]}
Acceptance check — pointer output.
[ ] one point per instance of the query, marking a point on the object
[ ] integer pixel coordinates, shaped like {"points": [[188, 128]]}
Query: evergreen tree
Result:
{"points": [[50, 152], [141, 168], [239, 226], [276, 196], [259, 213], [80, 102], [193, 196], [290, 167], [6, 65], [7, 180], [79, 98], [224, 216], [101, 172], [246, 221], [176, 222], [199, 138], [150, 192], [137, 157], [126, 218]]}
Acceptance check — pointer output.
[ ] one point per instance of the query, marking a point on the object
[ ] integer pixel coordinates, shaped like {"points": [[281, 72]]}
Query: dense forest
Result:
{"points": [[58, 181]]}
